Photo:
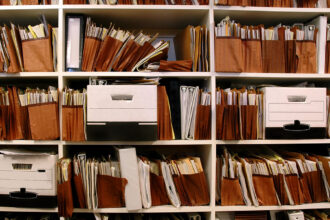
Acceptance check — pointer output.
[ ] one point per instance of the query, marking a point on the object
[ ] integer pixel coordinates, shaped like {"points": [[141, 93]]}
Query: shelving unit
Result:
{"points": [[167, 20]]}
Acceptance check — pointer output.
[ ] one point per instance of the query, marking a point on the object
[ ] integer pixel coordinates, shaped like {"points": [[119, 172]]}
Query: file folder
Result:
{"points": [[74, 30], [129, 170]]}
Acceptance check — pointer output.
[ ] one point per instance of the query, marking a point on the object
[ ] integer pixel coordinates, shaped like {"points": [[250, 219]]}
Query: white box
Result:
{"points": [[285, 105]]}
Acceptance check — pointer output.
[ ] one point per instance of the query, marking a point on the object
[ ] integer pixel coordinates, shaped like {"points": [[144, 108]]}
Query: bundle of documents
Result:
{"points": [[185, 182], [193, 44], [98, 183], [74, 114], [73, 97], [38, 96], [128, 51], [176, 90], [138, 2], [153, 190], [29, 114], [239, 114], [264, 177], [280, 3], [305, 215], [10, 50], [195, 113], [298, 31], [279, 49], [29, 2], [35, 40], [20, 48], [64, 191]]}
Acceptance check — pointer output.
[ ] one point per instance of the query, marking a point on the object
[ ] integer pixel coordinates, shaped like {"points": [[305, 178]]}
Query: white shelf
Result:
{"points": [[29, 7], [29, 142], [140, 7], [261, 142], [272, 208], [170, 142], [157, 209], [30, 74], [272, 9], [14, 209], [136, 74], [167, 20], [277, 76]]}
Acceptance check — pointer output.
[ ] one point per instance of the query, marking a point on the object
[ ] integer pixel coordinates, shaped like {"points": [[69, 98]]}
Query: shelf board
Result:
{"points": [[30, 75], [139, 7], [137, 74], [256, 142], [272, 9], [283, 76], [29, 7], [29, 142], [15, 209], [272, 208], [170, 142], [157, 209]]}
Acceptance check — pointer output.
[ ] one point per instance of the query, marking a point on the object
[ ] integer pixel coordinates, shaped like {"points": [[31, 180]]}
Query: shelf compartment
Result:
{"points": [[29, 14], [325, 205], [268, 15], [137, 17]]}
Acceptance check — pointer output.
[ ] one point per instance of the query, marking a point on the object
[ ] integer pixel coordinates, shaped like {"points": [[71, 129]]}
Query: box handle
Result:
{"points": [[297, 98], [121, 97], [296, 127], [22, 194]]}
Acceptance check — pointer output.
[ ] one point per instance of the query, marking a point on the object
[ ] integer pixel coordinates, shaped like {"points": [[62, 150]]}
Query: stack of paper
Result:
{"points": [[190, 98], [263, 177], [193, 44], [89, 174], [239, 114]]}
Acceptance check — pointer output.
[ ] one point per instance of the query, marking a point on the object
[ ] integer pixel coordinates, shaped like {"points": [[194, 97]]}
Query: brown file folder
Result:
{"points": [[306, 56], [165, 128], [231, 193], [43, 120], [90, 52], [64, 196], [158, 190], [73, 123], [228, 54], [111, 191], [273, 56], [38, 54]]}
